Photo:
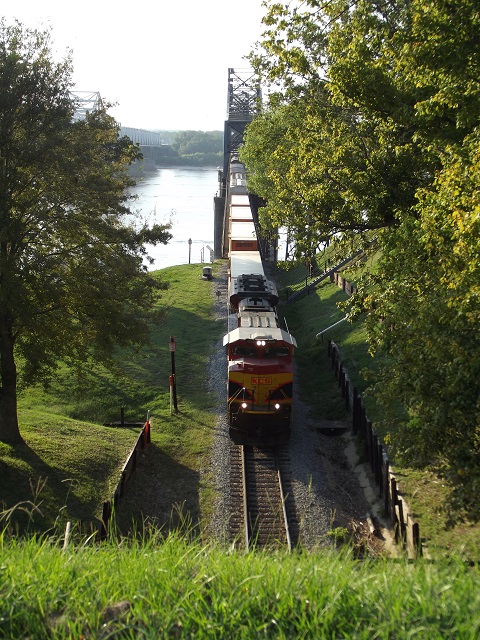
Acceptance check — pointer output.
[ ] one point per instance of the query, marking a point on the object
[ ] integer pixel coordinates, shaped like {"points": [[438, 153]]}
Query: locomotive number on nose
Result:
{"points": [[261, 380]]}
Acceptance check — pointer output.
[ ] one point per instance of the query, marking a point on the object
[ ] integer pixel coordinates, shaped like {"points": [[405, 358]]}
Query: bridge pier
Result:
{"points": [[218, 222]]}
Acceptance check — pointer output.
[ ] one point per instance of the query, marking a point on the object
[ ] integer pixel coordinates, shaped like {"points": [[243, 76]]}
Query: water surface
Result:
{"points": [[184, 196]]}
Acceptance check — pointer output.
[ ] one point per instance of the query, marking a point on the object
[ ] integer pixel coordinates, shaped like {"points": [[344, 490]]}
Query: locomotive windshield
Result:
{"points": [[276, 352], [260, 351], [243, 351]]}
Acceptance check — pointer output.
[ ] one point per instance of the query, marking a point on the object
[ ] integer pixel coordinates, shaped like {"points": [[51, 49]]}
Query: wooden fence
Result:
{"points": [[406, 528], [342, 283], [127, 471]]}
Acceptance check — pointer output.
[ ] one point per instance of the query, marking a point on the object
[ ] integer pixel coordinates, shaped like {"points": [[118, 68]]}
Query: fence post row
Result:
{"points": [[407, 531], [127, 471], [343, 283]]}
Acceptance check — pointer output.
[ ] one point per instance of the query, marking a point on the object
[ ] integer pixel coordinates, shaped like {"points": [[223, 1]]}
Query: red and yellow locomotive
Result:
{"points": [[260, 369]]}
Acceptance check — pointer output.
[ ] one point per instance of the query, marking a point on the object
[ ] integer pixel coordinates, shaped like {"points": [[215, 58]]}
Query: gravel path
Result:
{"points": [[327, 492]]}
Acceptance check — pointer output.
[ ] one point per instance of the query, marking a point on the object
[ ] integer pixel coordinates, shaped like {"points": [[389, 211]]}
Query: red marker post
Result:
{"points": [[173, 385]]}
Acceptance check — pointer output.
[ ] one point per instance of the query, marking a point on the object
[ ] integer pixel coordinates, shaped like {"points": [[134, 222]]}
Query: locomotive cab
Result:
{"points": [[260, 385]]}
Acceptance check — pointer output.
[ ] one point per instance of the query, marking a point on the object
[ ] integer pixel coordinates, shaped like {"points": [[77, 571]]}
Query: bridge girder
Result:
{"points": [[143, 137], [86, 102], [243, 102]]}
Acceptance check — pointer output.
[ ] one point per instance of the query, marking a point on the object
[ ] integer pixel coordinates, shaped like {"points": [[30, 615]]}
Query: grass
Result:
{"points": [[309, 316], [424, 492], [177, 588], [65, 471], [71, 462]]}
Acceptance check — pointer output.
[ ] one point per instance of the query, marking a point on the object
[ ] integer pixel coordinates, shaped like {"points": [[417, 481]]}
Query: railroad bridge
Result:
{"points": [[150, 142], [243, 103]]}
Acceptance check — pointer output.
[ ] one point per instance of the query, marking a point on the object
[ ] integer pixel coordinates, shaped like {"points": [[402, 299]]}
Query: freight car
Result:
{"points": [[259, 351]]}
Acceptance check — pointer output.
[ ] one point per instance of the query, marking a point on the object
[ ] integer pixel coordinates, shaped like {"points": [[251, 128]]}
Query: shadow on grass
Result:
{"points": [[31, 488], [162, 493]]}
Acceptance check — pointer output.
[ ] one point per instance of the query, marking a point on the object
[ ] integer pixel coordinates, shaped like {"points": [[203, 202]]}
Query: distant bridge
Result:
{"points": [[142, 137], [87, 101], [150, 144], [243, 103]]}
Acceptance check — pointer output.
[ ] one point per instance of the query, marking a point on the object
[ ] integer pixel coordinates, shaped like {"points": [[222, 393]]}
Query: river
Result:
{"points": [[184, 196]]}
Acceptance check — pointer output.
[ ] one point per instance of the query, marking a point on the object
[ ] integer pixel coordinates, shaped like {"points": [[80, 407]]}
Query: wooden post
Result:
{"points": [[386, 485], [173, 346], [122, 484], [401, 518], [380, 466], [106, 514], [416, 539], [393, 484], [355, 411], [368, 438]]}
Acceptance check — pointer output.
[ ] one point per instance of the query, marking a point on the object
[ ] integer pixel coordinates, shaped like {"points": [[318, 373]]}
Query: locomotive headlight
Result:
{"points": [[260, 343], [244, 405], [277, 406]]}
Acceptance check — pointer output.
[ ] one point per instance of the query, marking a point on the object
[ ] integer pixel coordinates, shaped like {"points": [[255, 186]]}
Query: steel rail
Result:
{"points": [[246, 523], [267, 511], [283, 501]]}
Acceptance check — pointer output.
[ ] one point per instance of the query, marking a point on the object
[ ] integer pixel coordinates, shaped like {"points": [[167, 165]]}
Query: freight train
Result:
{"points": [[259, 351]]}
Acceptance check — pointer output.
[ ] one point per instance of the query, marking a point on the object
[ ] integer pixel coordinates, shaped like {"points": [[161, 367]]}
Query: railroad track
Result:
{"points": [[262, 513]]}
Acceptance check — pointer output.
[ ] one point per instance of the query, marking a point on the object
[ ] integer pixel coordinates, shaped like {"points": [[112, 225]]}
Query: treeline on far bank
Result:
{"points": [[190, 148]]}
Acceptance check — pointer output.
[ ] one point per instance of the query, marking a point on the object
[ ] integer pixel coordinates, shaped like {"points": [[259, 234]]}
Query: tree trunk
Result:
{"points": [[9, 431]]}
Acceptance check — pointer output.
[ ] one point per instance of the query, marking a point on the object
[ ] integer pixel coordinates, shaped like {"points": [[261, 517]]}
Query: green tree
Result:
{"points": [[423, 314], [426, 304], [72, 284], [441, 57], [190, 142], [377, 125], [353, 162]]}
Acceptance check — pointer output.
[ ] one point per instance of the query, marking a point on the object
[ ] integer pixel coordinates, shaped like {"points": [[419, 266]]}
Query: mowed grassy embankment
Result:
{"points": [[71, 463]]}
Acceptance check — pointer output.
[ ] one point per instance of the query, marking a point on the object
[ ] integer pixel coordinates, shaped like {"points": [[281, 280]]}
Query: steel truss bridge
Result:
{"points": [[87, 101], [243, 102]]}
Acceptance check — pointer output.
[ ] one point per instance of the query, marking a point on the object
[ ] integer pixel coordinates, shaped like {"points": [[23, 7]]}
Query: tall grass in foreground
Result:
{"points": [[174, 588]]}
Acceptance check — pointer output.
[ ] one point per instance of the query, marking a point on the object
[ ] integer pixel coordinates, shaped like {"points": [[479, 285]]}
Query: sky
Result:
{"points": [[163, 62]]}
